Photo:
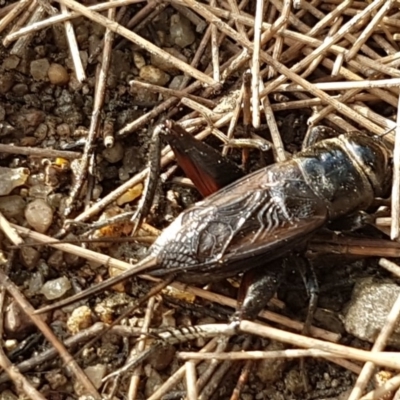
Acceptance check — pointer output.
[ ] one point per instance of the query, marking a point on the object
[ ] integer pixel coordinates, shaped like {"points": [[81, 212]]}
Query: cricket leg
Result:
{"points": [[257, 288]]}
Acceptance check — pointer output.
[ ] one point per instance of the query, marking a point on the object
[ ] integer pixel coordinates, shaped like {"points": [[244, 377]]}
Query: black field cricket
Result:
{"points": [[254, 222]]}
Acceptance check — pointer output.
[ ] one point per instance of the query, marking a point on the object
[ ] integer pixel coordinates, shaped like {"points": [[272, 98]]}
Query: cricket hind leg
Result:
{"points": [[306, 270], [257, 288], [307, 273]]}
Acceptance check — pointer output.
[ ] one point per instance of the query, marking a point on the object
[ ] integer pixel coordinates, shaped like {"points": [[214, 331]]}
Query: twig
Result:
{"points": [[133, 37], [288, 73], [21, 45], [214, 51], [8, 18], [180, 94], [38, 152], [394, 231], [37, 26], [273, 128], [73, 47], [243, 379], [256, 355], [255, 67], [390, 266], [96, 114], [135, 378], [365, 84], [82, 336], [389, 386], [191, 380], [368, 30], [285, 13], [385, 359]]}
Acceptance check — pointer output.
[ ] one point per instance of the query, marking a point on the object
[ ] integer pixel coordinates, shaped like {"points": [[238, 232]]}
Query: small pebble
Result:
{"points": [[270, 370], [81, 318], [10, 344], [181, 31], [294, 382], [29, 257], [115, 153], [162, 358], [56, 288], [35, 282], [154, 75], [28, 141], [96, 373], [63, 130], [369, 306], [58, 75], [12, 206], [6, 82], [39, 69], [27, 120], [130, 194], [20, 89], [56, 260], [176, 82], [41, 132], [40, 191], [39, 215], [138, 60], [11, 62], [16, 322], [11, 178]]}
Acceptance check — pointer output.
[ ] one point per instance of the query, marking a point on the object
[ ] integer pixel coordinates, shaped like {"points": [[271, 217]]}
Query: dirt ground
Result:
{"points": [[75, 134]]}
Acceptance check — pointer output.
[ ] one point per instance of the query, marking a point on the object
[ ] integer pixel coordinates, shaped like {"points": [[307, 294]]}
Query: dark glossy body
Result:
{"points": [[266, 214]]}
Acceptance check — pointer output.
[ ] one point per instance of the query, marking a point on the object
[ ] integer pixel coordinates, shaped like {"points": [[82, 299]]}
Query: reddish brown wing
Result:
{"points": [[205, 166]]}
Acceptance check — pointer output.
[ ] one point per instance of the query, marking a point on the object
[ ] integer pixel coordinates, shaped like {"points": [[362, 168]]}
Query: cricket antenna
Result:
{"points": [[147, 264]]}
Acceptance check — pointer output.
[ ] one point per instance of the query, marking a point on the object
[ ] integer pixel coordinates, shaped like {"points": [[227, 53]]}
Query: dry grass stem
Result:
{"points": [[148, 46], [214, 51], [276, 137], [255, 64], [13, 13], [38, 152], [384, 359], [278, 46], [21, 45], [256, 355], [172, 92], [135, 377], [66, 17], [365, 84], [73, 47], [191, 386], [394, 231], [390, 266]]}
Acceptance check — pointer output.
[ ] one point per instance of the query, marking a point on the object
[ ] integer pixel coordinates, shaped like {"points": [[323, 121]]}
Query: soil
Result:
{"points": [[44, 106]]}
